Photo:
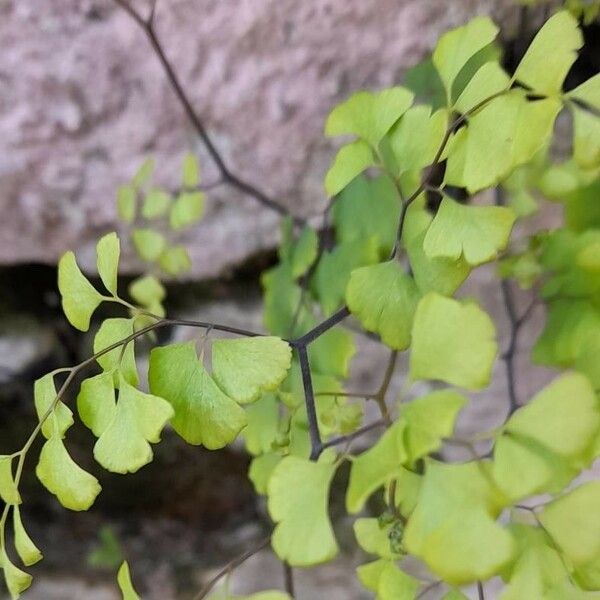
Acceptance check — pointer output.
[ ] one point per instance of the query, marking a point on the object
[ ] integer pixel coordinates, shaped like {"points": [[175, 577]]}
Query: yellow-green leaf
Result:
{"points": [[117, 360], [79, 297], [149, 243], [61, 416], [551, 54], [17, 581], [453, 341], [75, 488], [351, 160], [125, 584], [108, 251], [9, 492], [303, 535], [28, 552]]}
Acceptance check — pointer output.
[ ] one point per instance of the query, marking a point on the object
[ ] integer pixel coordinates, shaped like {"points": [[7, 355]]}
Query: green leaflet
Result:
{"points": [[263, 422], [476, 233], [365, 209], [190, 171], [123, 447], [261, 469], [388, 581], [384, 299], [96, 402], [9, 492], [245, 367], [588, 92], [440, 274], [147, 290], [118, 360], [489, 80], [300, 254], [144, 173], [453, 341], [156, 204], [457, 508], [586, 138], [125, 585], [350, 161], [573, 523], [17, 581], [148, 243], [547, 441], [373, 537], [333, 272], [281, 299], [175, 260], [417, 137], [108, 251], [293, 541], [367, 115], [75, 488], [126, 203], [60, 418], [79, 297], [376, 466], [186, 210], [456, 47], [428, 420], [203, 413], [330, 354], [506, 133], [551, 54], [26, 549]]}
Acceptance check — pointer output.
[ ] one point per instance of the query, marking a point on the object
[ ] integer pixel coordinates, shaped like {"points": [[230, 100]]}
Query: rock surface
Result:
{"points": [[83, 100]]}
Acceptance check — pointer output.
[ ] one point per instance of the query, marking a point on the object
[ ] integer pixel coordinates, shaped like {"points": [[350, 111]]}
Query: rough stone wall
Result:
{"points": [[83, 100]]}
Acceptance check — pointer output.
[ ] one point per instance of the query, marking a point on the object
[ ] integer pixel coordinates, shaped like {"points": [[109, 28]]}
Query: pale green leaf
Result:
{"points": [[203, 413], [111, 332], [586, 138], [246, 367], [375, 467], [303, 535], [79, 297], [175, 260], [261, 469], [126, 203], [9, 492], [476, 233], [28, 552], [147, 290], [489, 80], [367, 115], [370, 573], [453, 341], [17, 581], [573, 522], [564, 416], [457, 509], [456, 47], [440, 274], [156, 204], [139, 418], [417, 137], [96, 402], [351, 160], [107, 252], [551, 54], [388, 581], [588, 92], [60, 417], [186, 210], [125, 584], [191, 171], [263, 420], [331, 353], [373, 538], [300, 254], [148, 243], [429, 420], [144, 172], [383, 298], [368, 208], [333, 272], [75, 488]]}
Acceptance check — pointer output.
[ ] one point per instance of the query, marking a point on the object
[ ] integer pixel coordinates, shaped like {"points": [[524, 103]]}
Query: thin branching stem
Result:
{"points": [[227, 176]]}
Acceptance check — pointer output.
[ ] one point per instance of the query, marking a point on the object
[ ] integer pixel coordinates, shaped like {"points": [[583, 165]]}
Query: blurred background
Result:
{"points": [[83, 100]]}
